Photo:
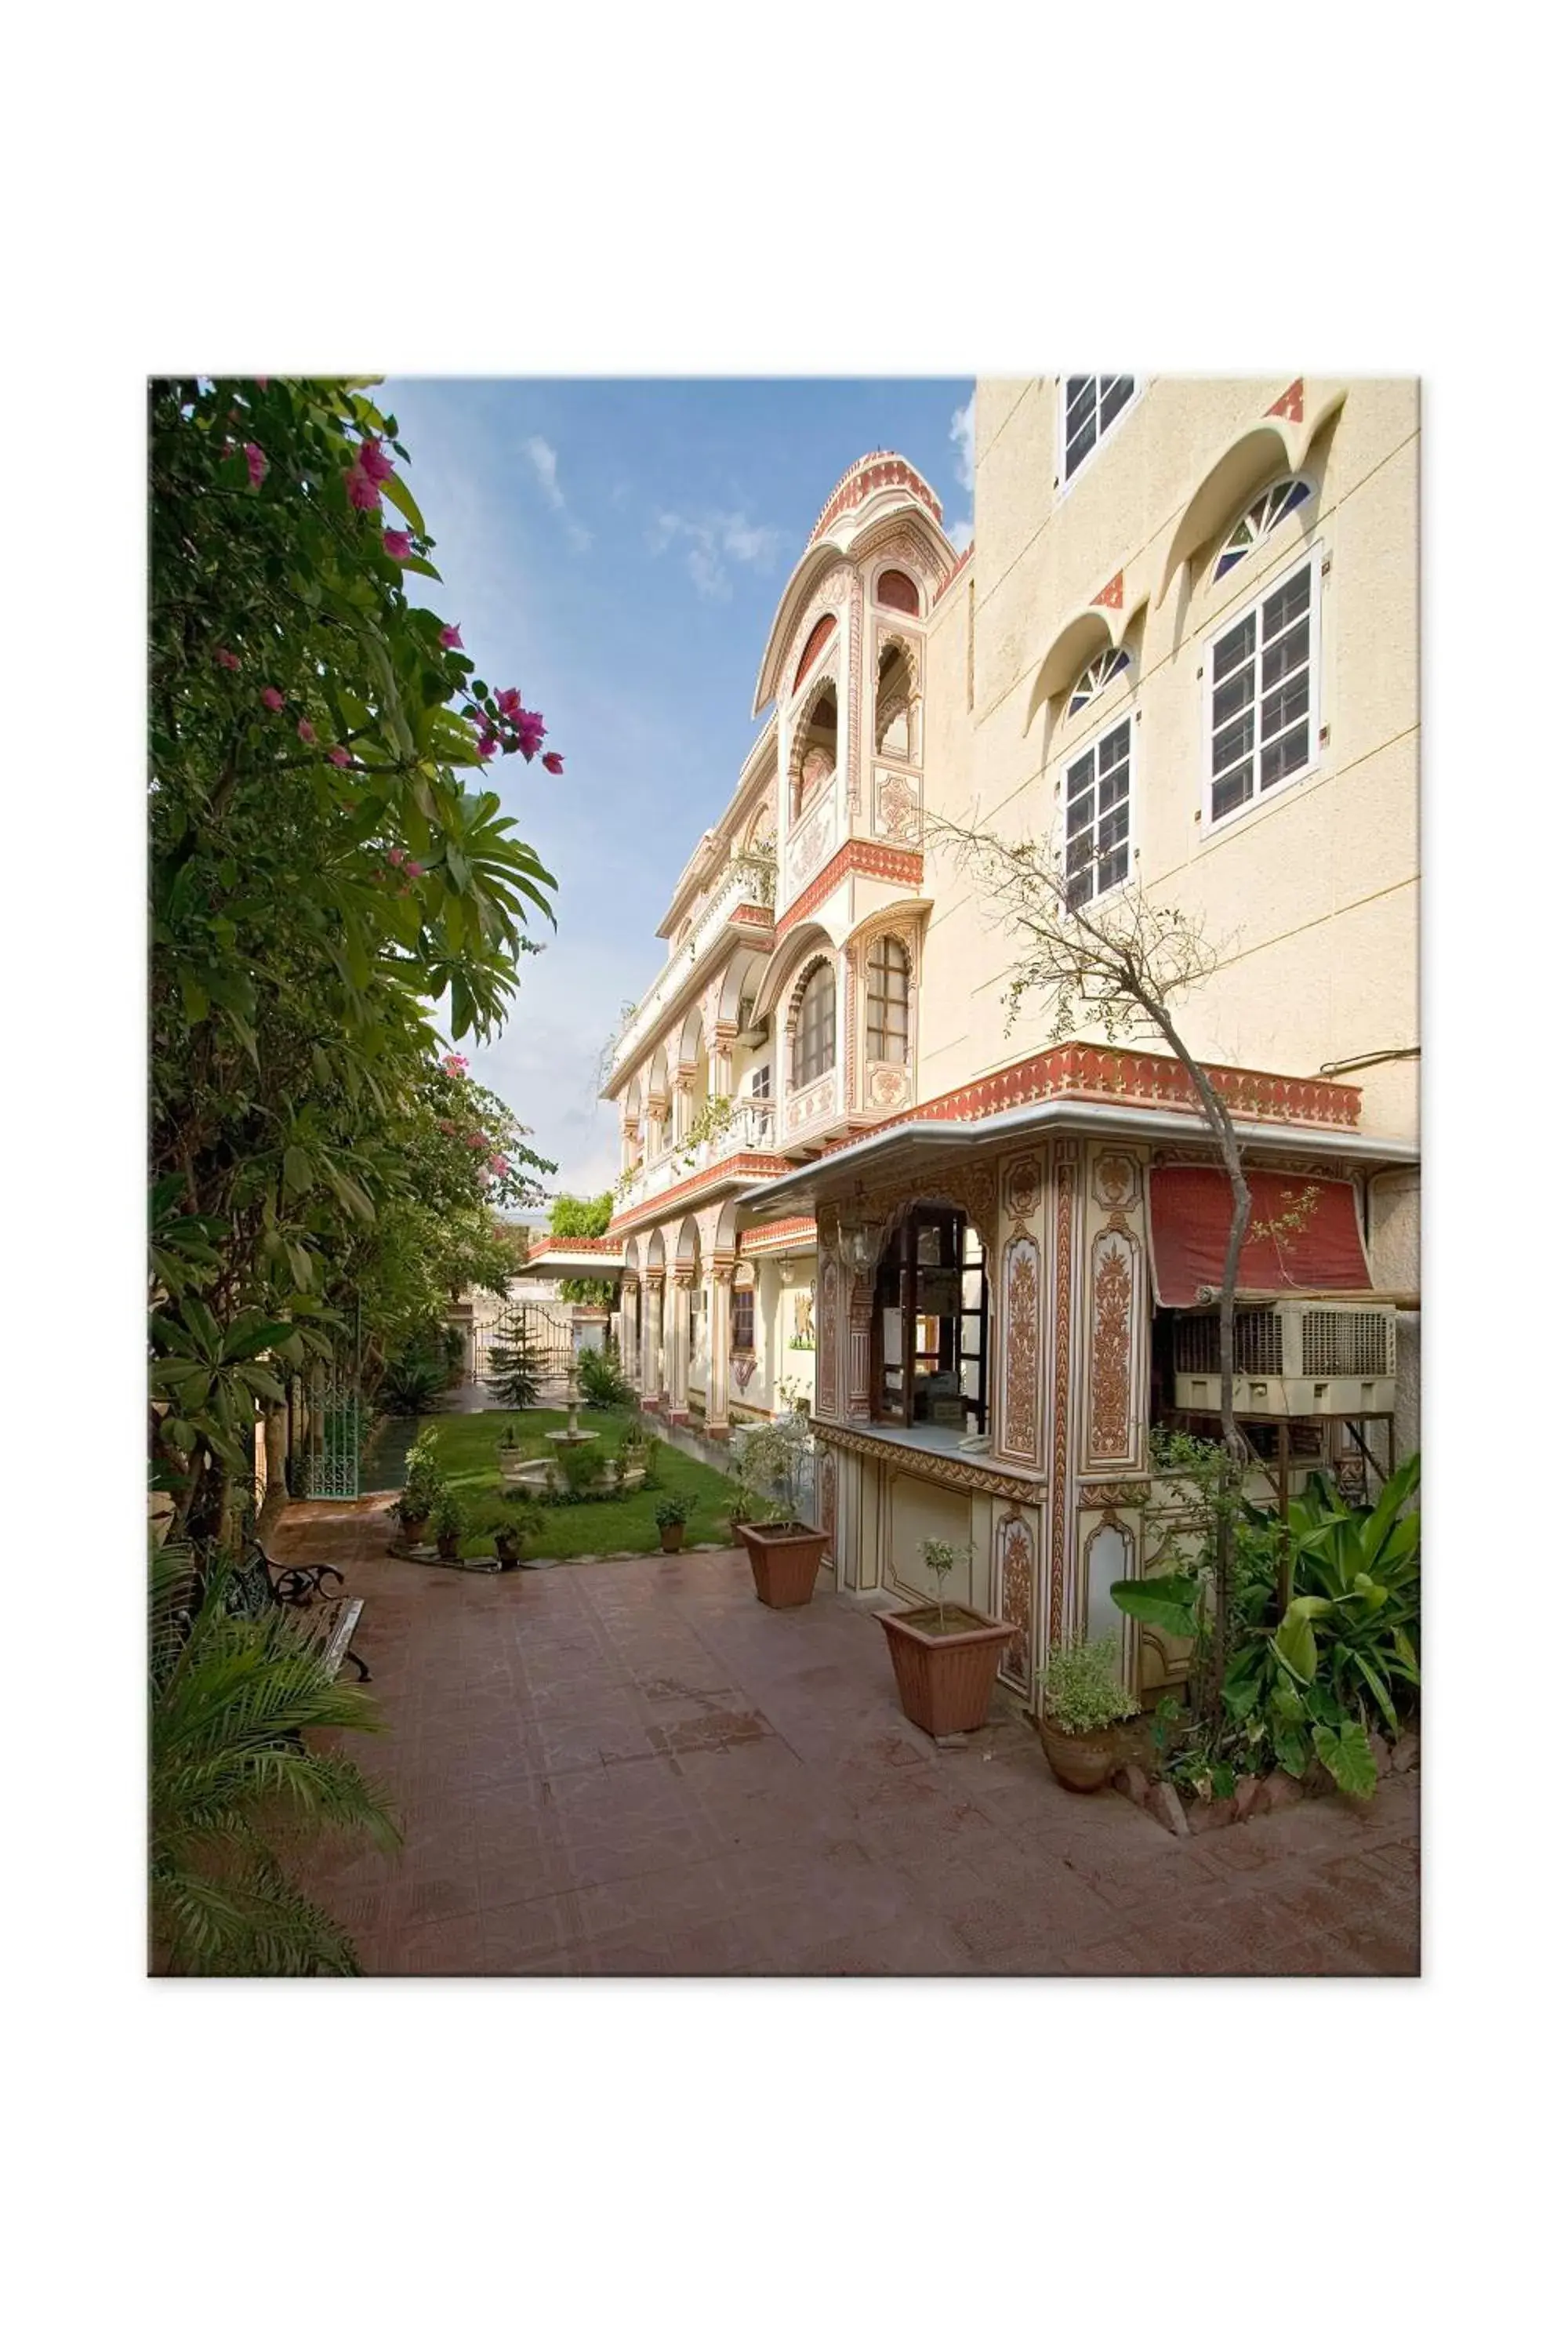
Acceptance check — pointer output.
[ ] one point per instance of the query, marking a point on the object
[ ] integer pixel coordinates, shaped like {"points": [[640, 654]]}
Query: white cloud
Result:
{"points": [[962, 432], [547, 467], [961, 533], [713, 538]]}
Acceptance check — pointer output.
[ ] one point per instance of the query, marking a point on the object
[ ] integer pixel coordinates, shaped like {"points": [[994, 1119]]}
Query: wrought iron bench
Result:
{"points": [[260, 1582]]}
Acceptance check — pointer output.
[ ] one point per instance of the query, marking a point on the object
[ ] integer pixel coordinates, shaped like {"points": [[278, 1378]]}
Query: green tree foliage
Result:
{"points": [[231, 1781], [573, 1217], [327, 867]]}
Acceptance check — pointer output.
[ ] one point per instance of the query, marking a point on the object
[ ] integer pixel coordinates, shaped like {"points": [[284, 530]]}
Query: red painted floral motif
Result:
{"points": [[1017, 1596], [1021, 1294], [1110, 1353]]}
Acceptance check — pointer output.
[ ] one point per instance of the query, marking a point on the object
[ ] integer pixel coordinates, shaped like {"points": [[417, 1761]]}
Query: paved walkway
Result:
{"points": [[632, 1769]]}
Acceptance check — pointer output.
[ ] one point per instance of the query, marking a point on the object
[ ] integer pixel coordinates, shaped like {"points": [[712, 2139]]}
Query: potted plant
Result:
{"points": [[508, 1448], [510, 1528], [1082, 1700], [421, 1486], [945, 1657], [785, 1550], [669, 1517], [446, 1524]]}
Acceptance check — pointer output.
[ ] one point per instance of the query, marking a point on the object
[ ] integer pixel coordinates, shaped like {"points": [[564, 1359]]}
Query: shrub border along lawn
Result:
{"points": [[466, 1445]]}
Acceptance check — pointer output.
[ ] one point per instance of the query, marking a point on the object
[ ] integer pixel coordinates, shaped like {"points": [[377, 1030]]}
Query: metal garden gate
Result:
{"points": [[333, 1445]]}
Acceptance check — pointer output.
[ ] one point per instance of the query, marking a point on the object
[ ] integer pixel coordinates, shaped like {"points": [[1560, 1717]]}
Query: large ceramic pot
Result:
{"points": [[1083, 1761], [672, 1538], [784, 1561], [412, 1531], [945, 1677]]}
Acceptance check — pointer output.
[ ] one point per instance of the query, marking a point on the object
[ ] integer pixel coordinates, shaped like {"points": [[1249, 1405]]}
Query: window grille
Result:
{"points": [[1093, 404], [888, 1003], [1098, 794], [1259, 520], [1096, 677], [816, 1041], [1337, 1344], [1261, 696]]}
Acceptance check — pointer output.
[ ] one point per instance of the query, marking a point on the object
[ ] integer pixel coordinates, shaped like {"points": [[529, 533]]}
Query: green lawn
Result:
{"points": [[467, 1444]]}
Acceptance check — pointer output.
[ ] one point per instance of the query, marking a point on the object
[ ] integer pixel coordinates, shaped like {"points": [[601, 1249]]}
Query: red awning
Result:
{"points": [[1315, 1243]]}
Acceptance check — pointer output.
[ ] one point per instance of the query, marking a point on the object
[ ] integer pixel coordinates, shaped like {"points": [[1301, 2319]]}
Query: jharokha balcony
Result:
{"points": [[739, 914], [741, 1151]]}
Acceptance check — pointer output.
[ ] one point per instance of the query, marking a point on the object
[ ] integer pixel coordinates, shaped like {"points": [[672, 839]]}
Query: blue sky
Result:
{"points": [[616, 550]]}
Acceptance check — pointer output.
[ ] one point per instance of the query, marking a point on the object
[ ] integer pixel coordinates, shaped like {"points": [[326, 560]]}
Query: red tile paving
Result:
{"points": [[631, 1767]]}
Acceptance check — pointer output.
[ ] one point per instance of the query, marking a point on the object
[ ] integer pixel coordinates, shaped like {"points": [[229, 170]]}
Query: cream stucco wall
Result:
{"points": [[1312, 894]]}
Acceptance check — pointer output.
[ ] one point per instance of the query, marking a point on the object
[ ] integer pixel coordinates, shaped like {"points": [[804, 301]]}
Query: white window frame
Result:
{"points": [[1253, 601], [1066, 481], [1089, 748]]}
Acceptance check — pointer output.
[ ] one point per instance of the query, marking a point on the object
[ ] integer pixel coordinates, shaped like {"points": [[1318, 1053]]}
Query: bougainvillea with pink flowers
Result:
{"points": [[329, 869]]}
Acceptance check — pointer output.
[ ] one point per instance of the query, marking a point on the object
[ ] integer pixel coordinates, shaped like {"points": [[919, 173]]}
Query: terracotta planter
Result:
{"points": [[784, 1561], [672, 1538], [506, 1550], [945, 1678], [1083, 1761], [447, 1547], [412, 1531]]}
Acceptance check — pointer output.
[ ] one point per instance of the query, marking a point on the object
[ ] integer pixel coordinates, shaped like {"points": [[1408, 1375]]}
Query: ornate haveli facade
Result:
{"points": [[1183, 643]]}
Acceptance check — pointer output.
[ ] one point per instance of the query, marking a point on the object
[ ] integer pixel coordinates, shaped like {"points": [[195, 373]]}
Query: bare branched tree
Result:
{"points": [[1117, 964]]}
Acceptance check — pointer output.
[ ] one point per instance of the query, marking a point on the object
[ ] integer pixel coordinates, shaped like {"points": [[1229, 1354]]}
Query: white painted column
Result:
{"points": [[678, 1341], [720, 1272]]}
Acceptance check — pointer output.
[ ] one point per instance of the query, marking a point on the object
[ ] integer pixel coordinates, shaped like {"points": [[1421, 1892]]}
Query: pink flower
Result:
{"points": [[272, 698], [489, 745], [414, 871], [373, 459], [397, 856], [451, 636], [531, 733], [338, 756], [306, 731], [455, 1064], [362, 490], [498, 1165], [224, 660], [510, 702], [257, 463], [555, 762], [478, 1142], [398, 545]]}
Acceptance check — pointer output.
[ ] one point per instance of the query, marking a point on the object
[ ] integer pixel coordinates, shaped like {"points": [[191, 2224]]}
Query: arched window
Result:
{"points": [[1096, 675], [888, 1003], [1259, 520], [818, 749], [815, 1035], [814, 645], [897, 590], [928, 1325]]}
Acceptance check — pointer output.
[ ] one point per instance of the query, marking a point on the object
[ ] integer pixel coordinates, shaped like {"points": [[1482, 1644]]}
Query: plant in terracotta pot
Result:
{"points": [[421, 1486], [785, 1550], [944, 1655], [446, 1524], [670, 1514], [509, 1451], [510, 1527], [1082, 1700]]}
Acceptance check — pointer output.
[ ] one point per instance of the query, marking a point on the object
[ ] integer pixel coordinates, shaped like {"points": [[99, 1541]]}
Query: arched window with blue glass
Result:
{"points": [[1264, 515]]}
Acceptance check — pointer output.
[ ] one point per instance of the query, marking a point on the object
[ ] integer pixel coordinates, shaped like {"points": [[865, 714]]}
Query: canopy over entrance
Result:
{"points": [[1304, 1235]]}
